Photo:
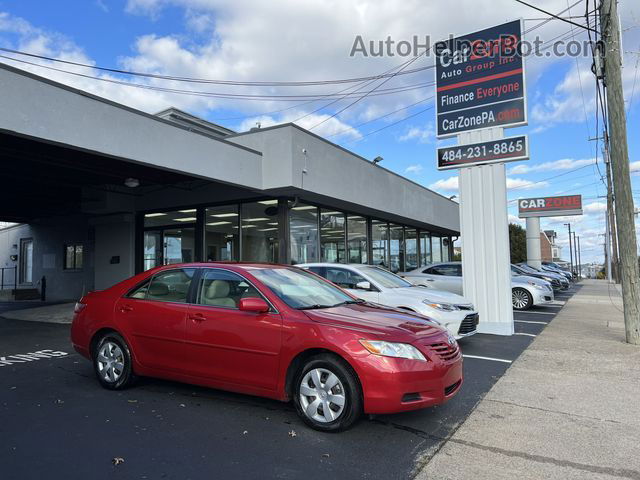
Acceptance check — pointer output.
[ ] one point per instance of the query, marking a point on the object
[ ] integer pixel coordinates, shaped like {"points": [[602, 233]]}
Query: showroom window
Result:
{"points": [[259, 230], [425, 248], [73, 256], [169, 237], [303, 233], [221, 235], [332, 231], [436, 249], [357, 239], [380, 243], [396, 248], [411, 249]]}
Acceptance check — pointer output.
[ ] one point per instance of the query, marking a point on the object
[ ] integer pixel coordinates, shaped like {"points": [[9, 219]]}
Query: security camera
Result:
{"points": [[304, 151]]}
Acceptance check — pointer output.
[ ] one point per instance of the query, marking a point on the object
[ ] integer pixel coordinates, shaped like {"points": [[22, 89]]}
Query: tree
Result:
{"points": [[518, 243]]}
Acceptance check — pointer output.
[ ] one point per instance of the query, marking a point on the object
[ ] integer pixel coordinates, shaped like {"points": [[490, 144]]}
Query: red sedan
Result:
{"points": [[270, 330]]}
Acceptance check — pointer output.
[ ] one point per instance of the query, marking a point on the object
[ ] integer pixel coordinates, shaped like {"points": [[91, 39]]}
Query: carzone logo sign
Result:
{"points": [[550, 206]]}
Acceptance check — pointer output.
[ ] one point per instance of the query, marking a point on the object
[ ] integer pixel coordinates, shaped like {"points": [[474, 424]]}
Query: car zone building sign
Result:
{"points": [[480, 80], [550, 206]]}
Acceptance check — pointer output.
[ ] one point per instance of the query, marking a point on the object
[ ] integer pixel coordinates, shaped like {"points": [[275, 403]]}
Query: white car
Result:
{"points": [[377, 285], [525, 291]]}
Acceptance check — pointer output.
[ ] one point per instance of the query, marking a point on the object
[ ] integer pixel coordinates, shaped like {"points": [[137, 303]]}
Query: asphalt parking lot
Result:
{"points": [[57, 422]]}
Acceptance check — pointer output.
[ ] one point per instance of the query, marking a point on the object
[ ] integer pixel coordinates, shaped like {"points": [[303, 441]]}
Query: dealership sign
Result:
{"points": [[550, 206], [480, 80], [503, 150]]}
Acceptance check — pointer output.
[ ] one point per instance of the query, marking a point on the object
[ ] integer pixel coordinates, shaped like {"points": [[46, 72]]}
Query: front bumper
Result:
{"points": [[393, 385], [460, 323], [540, 297]]}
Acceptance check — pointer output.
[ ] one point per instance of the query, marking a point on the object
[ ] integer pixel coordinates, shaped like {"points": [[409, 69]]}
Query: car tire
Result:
{"points": [[112, 362], [338, 384], [521, 299]]}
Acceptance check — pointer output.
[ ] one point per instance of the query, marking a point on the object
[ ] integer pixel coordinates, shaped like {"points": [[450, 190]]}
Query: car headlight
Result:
{"points": [[447, 307], [535, 285], [389, 349], [548, 279]]}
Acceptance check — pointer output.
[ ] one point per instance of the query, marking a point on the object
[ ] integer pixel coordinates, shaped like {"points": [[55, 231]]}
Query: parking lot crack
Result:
{"points": [[614, 472], [555, 411]]}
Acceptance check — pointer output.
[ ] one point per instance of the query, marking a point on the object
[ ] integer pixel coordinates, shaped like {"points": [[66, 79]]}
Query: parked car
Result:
{"points": [[268, 330], [553, 267], [377, 285], [448, 276], [528, 291], [545, 275], [556, 283]]}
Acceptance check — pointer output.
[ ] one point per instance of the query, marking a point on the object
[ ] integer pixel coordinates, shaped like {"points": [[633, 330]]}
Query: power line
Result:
{"points": [[230, 96], [210, 81], [553, 15]]}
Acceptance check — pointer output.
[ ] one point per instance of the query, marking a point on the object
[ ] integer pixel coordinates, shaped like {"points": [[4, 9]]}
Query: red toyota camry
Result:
{"points": [[270, 330]]}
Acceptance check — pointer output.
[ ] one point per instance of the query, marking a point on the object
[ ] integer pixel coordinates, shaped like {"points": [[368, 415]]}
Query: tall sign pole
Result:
{"points": [[533, 208], [619, 153], [480, 90]]}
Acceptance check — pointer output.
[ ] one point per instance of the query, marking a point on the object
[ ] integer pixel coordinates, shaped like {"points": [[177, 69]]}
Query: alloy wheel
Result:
{"points": [[520, 299], [322, 395], [110, 362]]}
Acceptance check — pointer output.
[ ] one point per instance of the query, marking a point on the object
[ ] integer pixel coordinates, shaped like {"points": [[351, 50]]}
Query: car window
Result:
{"points": [[140, 291], [446, 269], [299, 288], [170, 286], [343, 278], [222, 288], [385, 278]]}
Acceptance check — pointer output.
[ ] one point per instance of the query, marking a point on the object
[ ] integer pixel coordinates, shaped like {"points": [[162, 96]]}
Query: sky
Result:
{"points": [[293, 40]]}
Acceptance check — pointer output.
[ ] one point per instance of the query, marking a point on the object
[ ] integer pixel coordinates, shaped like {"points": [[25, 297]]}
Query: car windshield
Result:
{"points": [[300, 289], [528, 268], [384, 278]]}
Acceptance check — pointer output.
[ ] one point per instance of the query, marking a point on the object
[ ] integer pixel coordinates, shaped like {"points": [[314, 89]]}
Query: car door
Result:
{"points": [[348, 279], [229, 345], [155, 315], [444, 277]]}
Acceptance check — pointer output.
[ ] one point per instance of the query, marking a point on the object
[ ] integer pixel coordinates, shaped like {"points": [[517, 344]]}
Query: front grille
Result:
{"points": [[468, 325], [452, 388], [446, 351]]}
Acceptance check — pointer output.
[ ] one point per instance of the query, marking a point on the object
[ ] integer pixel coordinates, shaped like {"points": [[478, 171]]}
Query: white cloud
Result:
{"points": [[634, 166], [514, 219], [522, 184], [331, 126], [449, 184], [417, 168], [426, 134], [562, 164], [595, 207]]}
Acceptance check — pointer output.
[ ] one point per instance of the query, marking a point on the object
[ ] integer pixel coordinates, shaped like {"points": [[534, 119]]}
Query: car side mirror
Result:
{"points": [[253, 304], [363, 286]]}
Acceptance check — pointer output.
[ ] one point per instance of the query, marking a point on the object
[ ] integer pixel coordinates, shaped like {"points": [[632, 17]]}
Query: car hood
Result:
{"points": [[419, 294], [526, 279], [372, 318]]}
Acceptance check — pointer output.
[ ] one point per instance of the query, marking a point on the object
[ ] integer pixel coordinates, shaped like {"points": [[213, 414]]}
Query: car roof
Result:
{"points": [[223, 264]]}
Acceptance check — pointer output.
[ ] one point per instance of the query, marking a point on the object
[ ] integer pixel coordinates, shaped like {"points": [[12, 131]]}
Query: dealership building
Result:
{"points": [[100, 191]]}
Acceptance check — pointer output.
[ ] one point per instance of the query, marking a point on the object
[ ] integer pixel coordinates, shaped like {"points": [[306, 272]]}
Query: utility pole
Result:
{"points": [[613, 244], [579, 260], [570, 249], [619, 156], [575, 254]]}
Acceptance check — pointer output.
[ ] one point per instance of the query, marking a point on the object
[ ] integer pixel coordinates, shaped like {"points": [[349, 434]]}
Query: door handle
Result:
{"points": [[126, 308], [429, 279], [197, 317]]}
